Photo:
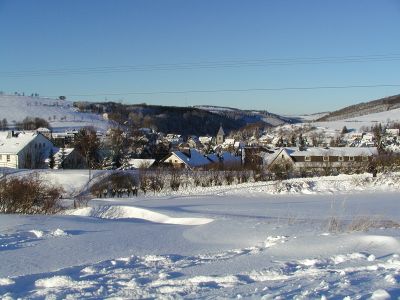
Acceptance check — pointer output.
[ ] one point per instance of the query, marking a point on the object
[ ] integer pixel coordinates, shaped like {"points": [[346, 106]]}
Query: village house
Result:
{"points": [[205, 139], [189, 158], [226, 158], [174, 139], [139, 163], [68, 158], [45, 131], [24, 150], [392, 131], [254, 155], [320, 158]]}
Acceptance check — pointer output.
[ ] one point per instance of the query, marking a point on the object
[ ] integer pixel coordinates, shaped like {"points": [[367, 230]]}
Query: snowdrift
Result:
{"points": [[130, 212]]}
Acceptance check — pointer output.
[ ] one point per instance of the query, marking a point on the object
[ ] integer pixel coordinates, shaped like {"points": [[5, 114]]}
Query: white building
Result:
{"points": [[23, 150], [392, 131]]}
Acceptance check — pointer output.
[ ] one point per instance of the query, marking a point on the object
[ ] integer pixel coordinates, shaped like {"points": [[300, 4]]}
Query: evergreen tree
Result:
{"points": [[4, 124], [63, 155], [51, 159], [302, 142]]}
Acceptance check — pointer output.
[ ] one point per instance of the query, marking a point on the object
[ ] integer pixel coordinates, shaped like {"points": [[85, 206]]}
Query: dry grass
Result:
{"points": [[359, 224]]}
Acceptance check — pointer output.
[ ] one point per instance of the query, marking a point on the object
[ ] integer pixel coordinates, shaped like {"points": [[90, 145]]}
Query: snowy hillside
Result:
{"points": [[230, 242], [366, 120], [310, 117], [59, 113], [365, 108]]}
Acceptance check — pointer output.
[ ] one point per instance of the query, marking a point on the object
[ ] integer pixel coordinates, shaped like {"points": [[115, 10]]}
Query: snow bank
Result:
{"points": [[130, 212], [54, 233], [61, 282], [380, 295], [6, 281], [302, 186]]}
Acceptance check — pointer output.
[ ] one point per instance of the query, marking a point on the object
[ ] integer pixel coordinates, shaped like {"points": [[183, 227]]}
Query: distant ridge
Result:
{"points": [[248, 116], [362, 109]]}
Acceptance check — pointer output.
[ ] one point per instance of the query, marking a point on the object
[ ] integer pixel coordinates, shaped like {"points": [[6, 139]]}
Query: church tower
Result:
{"points": [[220, 136]]}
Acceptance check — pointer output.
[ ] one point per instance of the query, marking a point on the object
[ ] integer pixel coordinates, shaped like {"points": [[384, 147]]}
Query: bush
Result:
{"points": [[118, 183], [229, 177], [145, 181], [156, 182], [175, 180], [28, 196]]}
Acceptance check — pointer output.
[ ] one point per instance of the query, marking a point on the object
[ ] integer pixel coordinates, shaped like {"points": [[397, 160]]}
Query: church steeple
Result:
{"points": [[220, 135]]}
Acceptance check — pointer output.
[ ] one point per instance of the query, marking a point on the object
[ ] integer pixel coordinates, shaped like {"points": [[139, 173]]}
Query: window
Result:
{"points": [[307, 158], [340, 158], [325, 158], [8, 157], [351, 158]]}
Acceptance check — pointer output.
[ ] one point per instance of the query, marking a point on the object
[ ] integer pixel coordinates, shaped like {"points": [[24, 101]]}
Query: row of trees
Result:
{"points": [[4, 124], [126, 183], [156, 180], [30, 123]]}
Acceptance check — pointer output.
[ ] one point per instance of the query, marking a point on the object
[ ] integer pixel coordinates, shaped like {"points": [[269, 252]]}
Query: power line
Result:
{"points": [[235, 90], [205, 65]]}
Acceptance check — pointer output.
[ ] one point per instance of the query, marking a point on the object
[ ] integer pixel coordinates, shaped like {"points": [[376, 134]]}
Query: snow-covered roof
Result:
{"points": [[269, 158], [196, 159], [334, 151], [58, 152], [43, 129], [141, 163], [12, 144], [229, 141], [205, 139], [228, 157], [213, 157]]}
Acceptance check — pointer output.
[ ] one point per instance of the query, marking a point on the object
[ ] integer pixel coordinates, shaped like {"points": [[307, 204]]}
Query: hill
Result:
{"points": [[249, 116], [201, 120], [61, 114], [362, 109]]}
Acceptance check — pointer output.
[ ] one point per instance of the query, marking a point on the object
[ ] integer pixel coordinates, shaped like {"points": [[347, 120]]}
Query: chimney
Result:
{"points": [[186, 151], [11, 134]]}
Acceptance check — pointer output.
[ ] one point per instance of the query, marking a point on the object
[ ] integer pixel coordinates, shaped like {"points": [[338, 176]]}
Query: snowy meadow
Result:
{"points": [[312, 238]]}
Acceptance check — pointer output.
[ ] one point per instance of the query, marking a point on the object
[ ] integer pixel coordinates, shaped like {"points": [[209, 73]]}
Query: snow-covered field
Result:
{"points": [[316, 238], [59, 113]]}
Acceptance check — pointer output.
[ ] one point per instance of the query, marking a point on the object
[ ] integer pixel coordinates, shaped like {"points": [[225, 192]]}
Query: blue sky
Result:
{"points": [[68, 35]]}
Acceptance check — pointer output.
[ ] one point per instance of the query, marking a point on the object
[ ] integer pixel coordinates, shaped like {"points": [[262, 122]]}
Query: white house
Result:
{"points": [[205, 139], [139, 163], [174, 138], [23, 150], [392, 131], [45, 131]]}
